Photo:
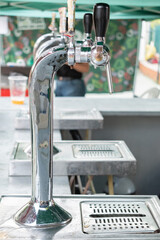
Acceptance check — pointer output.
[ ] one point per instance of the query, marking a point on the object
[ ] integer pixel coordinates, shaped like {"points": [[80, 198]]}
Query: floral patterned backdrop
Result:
{"points": [[122, 39]]}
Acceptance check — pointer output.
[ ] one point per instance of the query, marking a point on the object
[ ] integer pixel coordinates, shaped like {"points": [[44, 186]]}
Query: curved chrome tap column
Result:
{"points": [[42, 211], [48, 45], [44, 38]]}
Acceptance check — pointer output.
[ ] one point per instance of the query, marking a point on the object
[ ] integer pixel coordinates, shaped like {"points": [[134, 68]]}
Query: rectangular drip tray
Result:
{"points": [[79, 158], [66, 119], [126, 217], [93, 217]]}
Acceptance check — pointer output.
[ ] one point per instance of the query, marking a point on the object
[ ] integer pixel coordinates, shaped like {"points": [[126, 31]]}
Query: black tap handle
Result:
{"points": [[101, 18], [66, 24], [87, 21]]}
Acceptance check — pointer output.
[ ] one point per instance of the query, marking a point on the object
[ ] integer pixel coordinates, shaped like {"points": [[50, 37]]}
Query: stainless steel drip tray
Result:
{"points": [[126, 217], [66, 119], [79, 158], [93, 217]]}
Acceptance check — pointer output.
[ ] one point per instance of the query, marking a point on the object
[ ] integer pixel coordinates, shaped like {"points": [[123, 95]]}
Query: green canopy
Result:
{"points": [[120, 9]]}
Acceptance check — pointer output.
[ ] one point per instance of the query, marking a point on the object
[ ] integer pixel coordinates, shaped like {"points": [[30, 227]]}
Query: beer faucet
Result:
{"points": [[82, 48], [100, 55], [42, 211], [97, 53]]}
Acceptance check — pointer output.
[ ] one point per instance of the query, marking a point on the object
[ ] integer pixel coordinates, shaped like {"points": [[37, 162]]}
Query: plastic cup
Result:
{"points": [[17, 88]]}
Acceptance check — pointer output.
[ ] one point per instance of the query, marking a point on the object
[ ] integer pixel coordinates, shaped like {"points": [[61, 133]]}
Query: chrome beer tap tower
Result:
{"points": [[42, 211]]}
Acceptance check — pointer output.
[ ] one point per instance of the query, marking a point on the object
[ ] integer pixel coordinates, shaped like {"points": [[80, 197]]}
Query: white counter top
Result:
{"points": [[107, 106]]}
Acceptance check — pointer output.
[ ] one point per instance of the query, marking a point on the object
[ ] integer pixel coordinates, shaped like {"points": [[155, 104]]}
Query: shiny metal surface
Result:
{"points": [[54, 41], [88, 42], [41, 109], [82, 54], [80, 158], [42, 215], [74, 230], [100, 39], [109, 77], [83, 49], [78, 52], [98, 56], [41, 40], [117, 217], [71, 52], [41, 116]]}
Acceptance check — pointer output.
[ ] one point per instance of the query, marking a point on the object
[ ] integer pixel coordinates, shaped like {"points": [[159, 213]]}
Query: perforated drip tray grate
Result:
{"points": [[97, 150], [123, 217]]}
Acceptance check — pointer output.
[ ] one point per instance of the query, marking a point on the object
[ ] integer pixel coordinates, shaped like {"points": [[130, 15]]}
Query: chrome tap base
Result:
{"points": [[42, 215]]}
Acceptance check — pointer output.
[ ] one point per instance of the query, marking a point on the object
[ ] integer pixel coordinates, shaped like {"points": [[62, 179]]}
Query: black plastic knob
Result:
{"points": [[101, 13], [66, 24], [87, 21]]}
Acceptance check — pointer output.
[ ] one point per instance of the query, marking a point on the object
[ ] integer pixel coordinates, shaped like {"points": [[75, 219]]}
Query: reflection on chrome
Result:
{"points": [[42, 211]]}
